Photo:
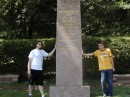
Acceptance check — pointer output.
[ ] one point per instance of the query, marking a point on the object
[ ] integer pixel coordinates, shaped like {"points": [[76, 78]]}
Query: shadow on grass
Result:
{"points": [[95, 87], [20, 90]]}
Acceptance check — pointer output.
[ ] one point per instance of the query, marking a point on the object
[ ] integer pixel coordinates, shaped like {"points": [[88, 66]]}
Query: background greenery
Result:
{"points": [[14, 55], [20, 89], [105, 17], [27, 18], [37, 18], [120, 47], [24, 21]]}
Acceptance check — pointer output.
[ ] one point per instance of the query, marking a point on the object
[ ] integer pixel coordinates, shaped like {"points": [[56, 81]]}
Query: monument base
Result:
{"points": [[71, 91]]}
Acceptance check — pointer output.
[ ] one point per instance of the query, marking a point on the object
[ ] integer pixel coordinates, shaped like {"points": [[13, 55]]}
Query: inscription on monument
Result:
{"points": [[69, 26]]}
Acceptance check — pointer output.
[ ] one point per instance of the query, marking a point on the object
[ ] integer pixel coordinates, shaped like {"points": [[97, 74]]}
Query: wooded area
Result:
{"points": [[37, 18]]}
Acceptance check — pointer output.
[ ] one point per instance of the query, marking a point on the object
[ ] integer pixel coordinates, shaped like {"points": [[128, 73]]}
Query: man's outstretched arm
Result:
{"points": [[51, 53]]}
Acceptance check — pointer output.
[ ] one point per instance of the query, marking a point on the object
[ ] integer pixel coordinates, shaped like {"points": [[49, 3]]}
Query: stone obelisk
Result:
{"points": [[69, 79]]}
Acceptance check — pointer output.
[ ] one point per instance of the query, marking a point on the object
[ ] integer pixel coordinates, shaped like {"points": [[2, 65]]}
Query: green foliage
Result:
{"points": [[27, 18], [105, 17], [36, 18], [14, 55], [120, 47], [121, 51]]}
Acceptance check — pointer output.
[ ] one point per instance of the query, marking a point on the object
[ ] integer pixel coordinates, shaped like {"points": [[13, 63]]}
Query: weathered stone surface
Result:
{"points": [[69, 46], [69, 79], [72, 91]]}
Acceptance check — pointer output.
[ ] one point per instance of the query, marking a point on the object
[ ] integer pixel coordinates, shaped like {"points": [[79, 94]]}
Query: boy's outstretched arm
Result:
{"points": [[87, 54]]}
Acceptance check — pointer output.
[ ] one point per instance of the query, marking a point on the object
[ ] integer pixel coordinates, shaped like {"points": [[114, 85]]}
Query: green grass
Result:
{"points": [[20, 90], [118, 91]]}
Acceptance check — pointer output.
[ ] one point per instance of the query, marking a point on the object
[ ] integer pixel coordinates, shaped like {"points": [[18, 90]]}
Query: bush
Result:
{"points": [[120, 47], [14, 56]]}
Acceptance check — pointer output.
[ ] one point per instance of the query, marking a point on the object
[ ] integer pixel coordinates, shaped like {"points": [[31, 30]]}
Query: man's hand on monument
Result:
{"points": [[113, 69], [55, 47], [82, 52], [51, 53]]}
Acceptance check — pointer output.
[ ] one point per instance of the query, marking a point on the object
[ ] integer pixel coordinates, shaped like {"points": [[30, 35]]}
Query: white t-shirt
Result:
{"points": [[37, 58]]}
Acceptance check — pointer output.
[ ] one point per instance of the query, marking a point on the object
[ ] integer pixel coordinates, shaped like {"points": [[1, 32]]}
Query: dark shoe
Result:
{"points": [[29, 95]]}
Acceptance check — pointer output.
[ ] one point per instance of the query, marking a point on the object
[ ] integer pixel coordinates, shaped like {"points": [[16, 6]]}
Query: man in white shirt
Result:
{"points": [[35, 64]]}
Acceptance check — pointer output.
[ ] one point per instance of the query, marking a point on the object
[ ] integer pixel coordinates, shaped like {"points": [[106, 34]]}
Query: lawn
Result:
{"points": [[118, 90], [20, 90]]}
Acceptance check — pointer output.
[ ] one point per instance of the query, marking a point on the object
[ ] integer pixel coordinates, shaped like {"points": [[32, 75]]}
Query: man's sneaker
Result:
{"points": [[43, 96], [104, 95]]}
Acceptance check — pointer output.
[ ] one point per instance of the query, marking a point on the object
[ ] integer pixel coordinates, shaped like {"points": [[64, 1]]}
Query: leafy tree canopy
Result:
{"points": [[37, 18]]}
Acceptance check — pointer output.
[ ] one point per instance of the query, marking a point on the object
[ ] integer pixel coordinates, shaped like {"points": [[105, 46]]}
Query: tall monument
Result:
{"points": [[69, 79]]}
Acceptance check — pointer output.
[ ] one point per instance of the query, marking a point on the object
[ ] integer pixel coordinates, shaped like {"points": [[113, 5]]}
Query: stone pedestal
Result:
{"points": [[72, 91], [69, 79]]}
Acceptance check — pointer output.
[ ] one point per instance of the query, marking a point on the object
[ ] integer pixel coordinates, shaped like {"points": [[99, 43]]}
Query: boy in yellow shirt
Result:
{"points": [[106, 66]]}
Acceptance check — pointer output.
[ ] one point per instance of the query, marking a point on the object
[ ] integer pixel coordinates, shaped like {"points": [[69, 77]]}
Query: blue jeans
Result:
{"points": [[106, 81]]}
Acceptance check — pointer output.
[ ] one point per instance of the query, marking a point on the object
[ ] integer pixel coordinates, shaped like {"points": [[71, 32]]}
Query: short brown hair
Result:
{"points": [[101, 42], [40, 42]]}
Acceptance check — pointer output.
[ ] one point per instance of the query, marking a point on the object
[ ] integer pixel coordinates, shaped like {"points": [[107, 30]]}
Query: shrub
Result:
{"points": [[14, 56], [120, 47]]}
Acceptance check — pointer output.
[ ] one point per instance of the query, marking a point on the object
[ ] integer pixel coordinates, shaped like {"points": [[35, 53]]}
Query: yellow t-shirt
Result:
{"points": [[104, 59]]}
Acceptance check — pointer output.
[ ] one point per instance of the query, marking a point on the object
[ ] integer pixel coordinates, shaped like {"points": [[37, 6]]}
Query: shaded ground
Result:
{"points": [[20, 89], [119, 90]]}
